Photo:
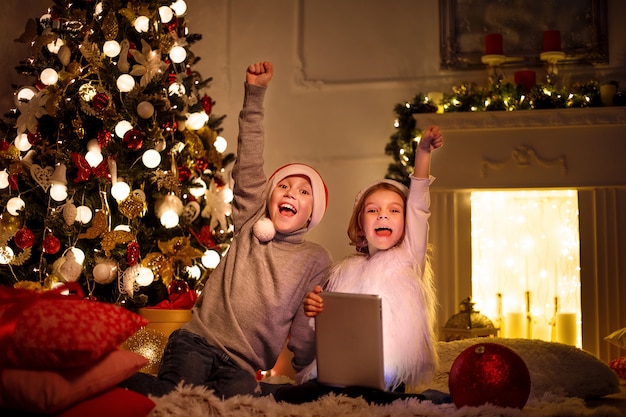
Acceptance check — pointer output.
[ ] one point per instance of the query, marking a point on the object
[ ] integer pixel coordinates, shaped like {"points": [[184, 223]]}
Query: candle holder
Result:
{"points": [[552, 58], [494, 74]]}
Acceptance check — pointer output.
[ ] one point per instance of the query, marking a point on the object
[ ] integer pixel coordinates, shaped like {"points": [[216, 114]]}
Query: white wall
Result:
{"points": [[341, 67]]}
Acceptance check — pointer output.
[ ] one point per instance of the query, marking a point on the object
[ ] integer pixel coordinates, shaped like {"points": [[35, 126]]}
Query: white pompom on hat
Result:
{"points": [[264, 229], [401, 187]]}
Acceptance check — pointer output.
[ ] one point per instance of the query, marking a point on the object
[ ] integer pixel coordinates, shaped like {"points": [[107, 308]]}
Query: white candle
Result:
{"points": [[566, 328], [515, 325]]}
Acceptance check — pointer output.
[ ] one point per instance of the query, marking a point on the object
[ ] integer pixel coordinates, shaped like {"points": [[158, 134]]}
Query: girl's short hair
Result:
{"points": [[355, 226]]}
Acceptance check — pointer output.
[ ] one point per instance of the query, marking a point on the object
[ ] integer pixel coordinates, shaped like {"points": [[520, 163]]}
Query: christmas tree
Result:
{"points": [[112, 172]]}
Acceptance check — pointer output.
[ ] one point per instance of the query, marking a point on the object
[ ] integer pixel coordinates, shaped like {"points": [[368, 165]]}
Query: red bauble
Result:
{"points": [[169, 126], [51, 245], [132, 253], [4, 145], [489, 373], [104, 137], [133, 139], [177, 287], [34, 138], [24, 238], [201, 164], [207, 104], [184, 173], [100, 101]]}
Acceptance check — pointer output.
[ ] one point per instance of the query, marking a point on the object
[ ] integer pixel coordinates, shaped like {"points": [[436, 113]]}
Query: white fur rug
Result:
{"points": [[561, 376], [198, 402]]}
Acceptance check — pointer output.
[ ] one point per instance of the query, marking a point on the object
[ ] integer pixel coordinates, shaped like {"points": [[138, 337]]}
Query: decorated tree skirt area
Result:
{"points": [[564, 382]]}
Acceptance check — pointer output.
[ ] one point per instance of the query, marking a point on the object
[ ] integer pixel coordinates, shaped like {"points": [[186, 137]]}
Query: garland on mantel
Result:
{"points": [[468, 97]]}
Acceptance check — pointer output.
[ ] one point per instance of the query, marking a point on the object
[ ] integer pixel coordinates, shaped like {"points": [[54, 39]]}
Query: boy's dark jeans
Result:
{"points": [[189, 358]]}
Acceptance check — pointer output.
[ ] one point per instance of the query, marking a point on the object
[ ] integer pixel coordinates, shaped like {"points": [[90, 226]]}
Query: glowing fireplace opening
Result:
{"points": [[526, 262]]}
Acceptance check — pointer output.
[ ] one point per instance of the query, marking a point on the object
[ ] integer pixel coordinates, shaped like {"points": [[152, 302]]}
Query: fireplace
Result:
{"points": [[578, 149]]}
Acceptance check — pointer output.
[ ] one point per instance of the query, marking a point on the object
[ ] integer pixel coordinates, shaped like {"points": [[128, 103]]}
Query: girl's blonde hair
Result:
{"points": [[355, 227]]}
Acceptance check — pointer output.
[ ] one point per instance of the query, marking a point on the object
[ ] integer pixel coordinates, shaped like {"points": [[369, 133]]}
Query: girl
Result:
{"points": [[389, 227]]}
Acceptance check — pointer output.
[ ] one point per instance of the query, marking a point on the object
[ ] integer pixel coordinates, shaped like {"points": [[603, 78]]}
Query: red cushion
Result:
{"points": [[51, 391], [57, 332], [619, 366], [116, 402]]}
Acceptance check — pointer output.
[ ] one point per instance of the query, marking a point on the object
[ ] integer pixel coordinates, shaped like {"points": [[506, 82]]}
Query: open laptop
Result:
{"points": [[349, 340]]}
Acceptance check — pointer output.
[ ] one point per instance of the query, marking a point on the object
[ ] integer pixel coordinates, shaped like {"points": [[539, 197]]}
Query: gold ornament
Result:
{"points": [[150, 344], [179, 249], [10, 224], [160, 266], [115, 237], [109, 26], [99, 225], [132, 207], [29, 285], [11, 153]]}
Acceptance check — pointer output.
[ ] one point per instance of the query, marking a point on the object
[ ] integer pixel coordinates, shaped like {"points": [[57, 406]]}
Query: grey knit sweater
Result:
{"points": [[252, 301]]}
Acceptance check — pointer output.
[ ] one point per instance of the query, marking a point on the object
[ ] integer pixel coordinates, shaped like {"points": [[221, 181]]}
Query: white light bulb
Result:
{"points": [[166, 14], [55, 45], [58, 192], [120, 190], [178, 54], [228, 195], [122, 227], [145, 276], [194, 272], [22, 143], [176, 89], [151, 158], [83, 214], [24, 94], [198, 188], [125, 83], [4, 179], [79, 255], [220, 144], [93, 145], [94, 158], [111, 48], [197, 120], [99, 8], [142, 24], [179, 7], [15, 205], [6, 255], [169, 219], [122, 127], [210, 259], [49, 76]]}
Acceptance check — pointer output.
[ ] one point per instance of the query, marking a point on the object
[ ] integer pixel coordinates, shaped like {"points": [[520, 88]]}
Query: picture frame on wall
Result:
{"points": [[465, 24]]}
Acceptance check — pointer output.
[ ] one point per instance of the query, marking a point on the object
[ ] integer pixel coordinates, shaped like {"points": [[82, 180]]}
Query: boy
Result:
{"points": [[251, 303]]}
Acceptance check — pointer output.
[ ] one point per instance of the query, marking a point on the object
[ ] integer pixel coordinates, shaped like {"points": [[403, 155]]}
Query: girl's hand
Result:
{"points": [[432, 138], [312, 302]]}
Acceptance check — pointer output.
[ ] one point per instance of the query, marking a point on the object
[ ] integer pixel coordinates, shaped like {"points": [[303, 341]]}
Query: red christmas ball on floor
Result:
{"points": [[489, 373]]}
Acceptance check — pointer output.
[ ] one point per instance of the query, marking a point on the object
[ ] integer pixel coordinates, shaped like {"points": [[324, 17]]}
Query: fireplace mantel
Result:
{"points": [[531, 148], [526, 118]]}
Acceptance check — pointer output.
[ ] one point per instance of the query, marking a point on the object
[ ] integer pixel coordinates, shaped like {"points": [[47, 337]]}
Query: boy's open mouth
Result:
{"points": [[287, 210]]}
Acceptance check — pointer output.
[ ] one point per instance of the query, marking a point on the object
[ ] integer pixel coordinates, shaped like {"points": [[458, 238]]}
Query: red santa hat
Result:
{"points": [[264, 228]]}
